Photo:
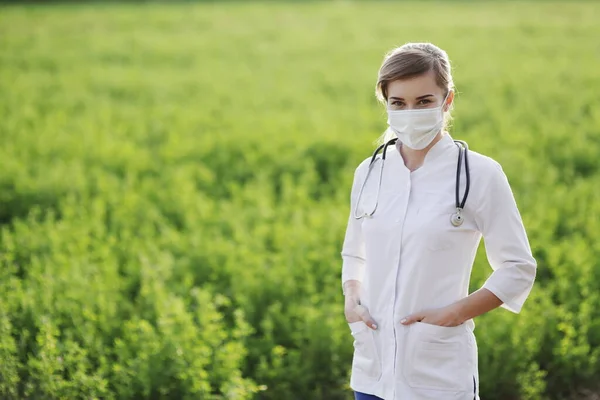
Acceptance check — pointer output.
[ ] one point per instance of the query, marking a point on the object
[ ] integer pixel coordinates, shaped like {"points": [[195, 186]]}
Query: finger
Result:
{"points": [[411, 319], [365, 316]]}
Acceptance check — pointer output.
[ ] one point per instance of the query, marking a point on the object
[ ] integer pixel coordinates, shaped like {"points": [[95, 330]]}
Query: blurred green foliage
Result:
{"points": [[174, 184]]}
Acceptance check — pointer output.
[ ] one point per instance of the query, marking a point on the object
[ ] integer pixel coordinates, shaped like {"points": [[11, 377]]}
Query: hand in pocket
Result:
{"points": [[355, 311]]}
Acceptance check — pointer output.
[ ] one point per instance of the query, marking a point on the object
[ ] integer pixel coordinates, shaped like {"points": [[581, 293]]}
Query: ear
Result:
{"points": [[449, 101]]}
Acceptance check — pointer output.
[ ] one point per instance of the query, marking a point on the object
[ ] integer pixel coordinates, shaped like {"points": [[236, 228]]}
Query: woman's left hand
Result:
{"points": [[446, 316]]}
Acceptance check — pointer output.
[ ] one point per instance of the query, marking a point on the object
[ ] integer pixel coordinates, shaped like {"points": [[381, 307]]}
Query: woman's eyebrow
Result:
{"points": [[418, 98]]}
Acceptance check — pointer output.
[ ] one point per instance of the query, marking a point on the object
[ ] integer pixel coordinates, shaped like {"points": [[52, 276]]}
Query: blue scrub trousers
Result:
{"points": [[364, 396]]}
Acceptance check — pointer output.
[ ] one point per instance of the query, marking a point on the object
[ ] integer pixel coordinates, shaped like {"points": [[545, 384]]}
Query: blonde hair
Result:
{"points": [[411, 60]]}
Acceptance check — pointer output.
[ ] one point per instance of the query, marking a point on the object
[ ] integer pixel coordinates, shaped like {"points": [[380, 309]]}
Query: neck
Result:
{"points": [[413, 159]]}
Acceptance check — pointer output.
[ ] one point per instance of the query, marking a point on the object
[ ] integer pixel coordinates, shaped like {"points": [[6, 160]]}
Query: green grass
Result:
{"points": [[174, 183]]}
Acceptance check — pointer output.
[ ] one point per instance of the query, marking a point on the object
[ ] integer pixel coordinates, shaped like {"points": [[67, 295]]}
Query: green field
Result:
{"points": [[174, 189]]}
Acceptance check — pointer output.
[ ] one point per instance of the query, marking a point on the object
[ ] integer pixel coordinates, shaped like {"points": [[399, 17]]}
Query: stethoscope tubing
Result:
{"points": [[463, 150], [373, 160]]}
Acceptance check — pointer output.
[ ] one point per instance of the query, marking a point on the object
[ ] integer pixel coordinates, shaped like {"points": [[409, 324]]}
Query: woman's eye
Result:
{"points": [[424, 101]]}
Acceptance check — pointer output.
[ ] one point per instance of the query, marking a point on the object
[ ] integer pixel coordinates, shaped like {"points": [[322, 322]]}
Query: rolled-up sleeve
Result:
{"points": [[353, 249], [506, 243]]}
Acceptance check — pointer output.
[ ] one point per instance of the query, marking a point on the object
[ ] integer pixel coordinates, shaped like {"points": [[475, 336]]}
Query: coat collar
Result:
{"points": [[445, 143]]}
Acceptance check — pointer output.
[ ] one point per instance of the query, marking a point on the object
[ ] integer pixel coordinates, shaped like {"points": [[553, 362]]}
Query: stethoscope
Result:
{"points": [[456, 219]]}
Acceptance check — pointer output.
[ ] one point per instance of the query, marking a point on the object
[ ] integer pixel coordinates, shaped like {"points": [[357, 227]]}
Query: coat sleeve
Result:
{"points": [[506, 244], [353, 249]]}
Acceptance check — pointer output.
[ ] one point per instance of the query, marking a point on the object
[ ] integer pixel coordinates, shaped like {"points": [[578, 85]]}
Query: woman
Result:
{"points": [[406, 266]]}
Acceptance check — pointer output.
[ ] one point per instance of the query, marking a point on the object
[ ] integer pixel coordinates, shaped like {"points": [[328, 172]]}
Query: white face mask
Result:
{"points": [[417, 128]]}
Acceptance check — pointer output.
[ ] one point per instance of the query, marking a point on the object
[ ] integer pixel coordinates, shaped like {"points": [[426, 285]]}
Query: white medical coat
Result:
{"points": [[410, 258]]}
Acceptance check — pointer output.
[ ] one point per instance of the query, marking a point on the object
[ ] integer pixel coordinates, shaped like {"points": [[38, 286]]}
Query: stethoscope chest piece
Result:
{"points": [[457, 219]]}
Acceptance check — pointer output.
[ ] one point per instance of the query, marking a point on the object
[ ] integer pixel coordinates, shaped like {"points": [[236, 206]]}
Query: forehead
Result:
{"points": [[414, 87]]}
